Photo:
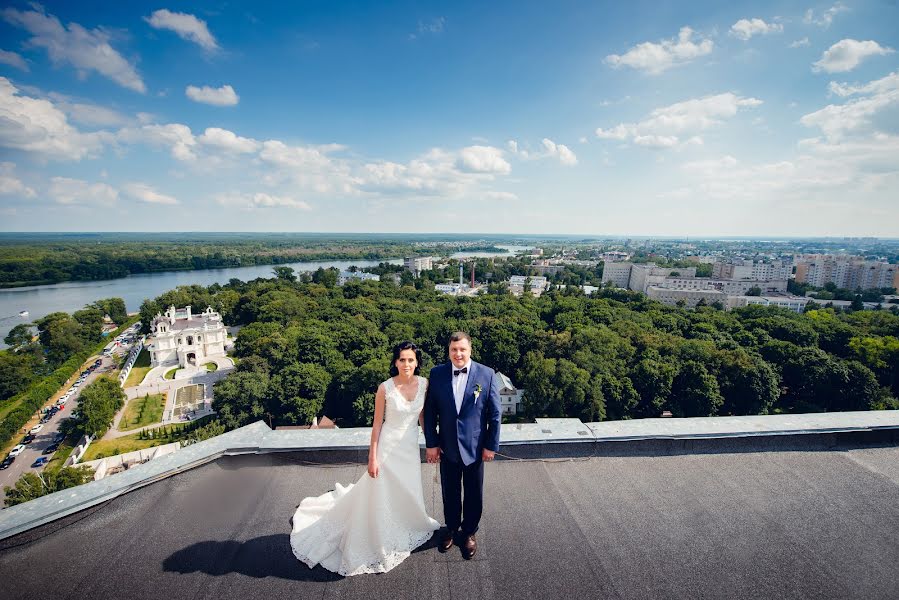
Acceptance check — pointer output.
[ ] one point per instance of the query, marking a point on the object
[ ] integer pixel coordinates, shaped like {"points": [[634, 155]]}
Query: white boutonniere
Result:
{"points": [[477, 391]]}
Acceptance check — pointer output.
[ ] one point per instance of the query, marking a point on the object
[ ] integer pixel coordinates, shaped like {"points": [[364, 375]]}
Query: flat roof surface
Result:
{"points": [[785, 524]]}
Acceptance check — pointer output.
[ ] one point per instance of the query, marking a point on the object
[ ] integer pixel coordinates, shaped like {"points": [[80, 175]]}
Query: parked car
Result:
{"points": [[60, 436], [51, 448], [40, 461], [17, 450], [36, 428], [28, 438], [7, 461]]}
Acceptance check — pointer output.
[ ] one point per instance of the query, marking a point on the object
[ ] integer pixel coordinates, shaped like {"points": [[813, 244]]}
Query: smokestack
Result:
{"points": [[460, 274], [472, 275]]}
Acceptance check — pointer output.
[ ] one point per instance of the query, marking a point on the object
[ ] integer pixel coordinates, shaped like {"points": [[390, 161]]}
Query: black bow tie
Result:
{"points": [[459, 371]]}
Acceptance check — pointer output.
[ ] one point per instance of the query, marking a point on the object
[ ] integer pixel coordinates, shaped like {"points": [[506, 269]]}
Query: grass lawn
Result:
{"points": [[170, 374], [142, 411], [128, 443], [140, 369], [211, 367]]}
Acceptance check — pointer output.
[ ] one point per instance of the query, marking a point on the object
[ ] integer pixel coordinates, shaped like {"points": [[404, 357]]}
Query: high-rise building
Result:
{"points": [[417, 264], [848, 272]]}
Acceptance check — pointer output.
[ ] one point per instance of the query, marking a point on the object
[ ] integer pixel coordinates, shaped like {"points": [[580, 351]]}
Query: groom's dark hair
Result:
{"points": [[396, 355], [457, 336]]}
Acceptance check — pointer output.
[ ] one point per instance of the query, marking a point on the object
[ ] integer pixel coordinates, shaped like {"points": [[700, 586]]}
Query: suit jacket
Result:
{"points": [[462, 436]]}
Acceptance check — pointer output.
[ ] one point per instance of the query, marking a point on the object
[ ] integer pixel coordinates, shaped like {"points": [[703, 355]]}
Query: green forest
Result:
{"points": [[307, 348], [33, 260]]}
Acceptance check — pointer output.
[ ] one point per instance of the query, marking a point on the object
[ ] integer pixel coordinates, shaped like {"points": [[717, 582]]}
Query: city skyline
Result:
{"points": [[776, 120]]}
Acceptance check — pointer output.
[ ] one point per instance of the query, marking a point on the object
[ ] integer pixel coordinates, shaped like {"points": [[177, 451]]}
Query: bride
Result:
{"points": [[373, 525]]}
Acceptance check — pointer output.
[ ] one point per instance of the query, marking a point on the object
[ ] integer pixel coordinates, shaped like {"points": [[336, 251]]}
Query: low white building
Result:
{"points": [[690, 297], [180, 337], [450, 288], [537, 284], [509, 396], [794, 303], [358, 275]]}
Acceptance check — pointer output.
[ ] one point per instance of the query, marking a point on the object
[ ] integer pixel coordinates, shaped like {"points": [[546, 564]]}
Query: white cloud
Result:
{"points": [[295, 157], [547, 149], [855, 156], [187, 26], [883, 85], [846, 54], [655, 58], [678, 124], [223, 96], [483, 159], [432, 27], [13, 60], [656, 141], [146, 193], [65, 190], [10, 185], [874, 111], [825, 19], [261, 200], [744, 29], [175, 136], [86, 50], [88, 114], [800, 43], [561, 151], [228, 141], [502, 196], [36, 125]]}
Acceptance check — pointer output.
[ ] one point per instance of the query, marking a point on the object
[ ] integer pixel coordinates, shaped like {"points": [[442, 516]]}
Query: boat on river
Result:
{"points": [[23, 313]]}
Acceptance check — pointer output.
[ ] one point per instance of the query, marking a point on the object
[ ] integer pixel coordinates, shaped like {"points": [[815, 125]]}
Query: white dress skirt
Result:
{"points": [[373, 525]]}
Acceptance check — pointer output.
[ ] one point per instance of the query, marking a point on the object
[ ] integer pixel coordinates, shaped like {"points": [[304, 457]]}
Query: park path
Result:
{"points": [[169, 387]]}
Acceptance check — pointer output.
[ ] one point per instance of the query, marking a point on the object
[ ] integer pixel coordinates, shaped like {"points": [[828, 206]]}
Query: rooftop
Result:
{"points": [[788, 508]]}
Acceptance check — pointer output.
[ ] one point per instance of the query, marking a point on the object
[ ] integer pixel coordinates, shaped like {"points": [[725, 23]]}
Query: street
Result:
{"points": [[44, 438]]}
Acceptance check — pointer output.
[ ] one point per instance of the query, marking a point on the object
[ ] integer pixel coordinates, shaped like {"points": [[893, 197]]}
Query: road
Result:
{"points": [[44, 438]]}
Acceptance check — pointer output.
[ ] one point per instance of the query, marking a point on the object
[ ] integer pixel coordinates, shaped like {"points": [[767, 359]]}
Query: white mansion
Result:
{"points": [[178, 336]]}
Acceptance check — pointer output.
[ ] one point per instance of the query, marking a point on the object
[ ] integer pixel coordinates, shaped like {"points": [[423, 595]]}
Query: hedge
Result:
{"points": [[31, 400]]}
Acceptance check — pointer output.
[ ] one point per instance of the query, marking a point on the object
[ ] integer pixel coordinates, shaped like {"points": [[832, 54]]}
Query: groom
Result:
{"points": [[463, 399]]}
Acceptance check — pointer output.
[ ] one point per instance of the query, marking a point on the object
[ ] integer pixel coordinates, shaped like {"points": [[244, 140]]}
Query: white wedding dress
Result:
{"points": [[373, 525]]}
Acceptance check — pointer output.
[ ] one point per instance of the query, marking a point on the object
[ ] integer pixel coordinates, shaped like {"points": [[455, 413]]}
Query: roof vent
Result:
{"points": [[546, 431]]}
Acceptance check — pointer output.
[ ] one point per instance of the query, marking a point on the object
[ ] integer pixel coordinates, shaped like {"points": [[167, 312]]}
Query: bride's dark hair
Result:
{"points": [[396, 355]]}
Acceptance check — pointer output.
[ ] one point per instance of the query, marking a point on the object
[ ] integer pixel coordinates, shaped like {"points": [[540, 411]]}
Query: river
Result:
{"points": [[41, 300]]}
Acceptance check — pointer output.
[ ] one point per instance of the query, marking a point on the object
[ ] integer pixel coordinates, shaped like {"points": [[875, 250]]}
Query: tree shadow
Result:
{"points": [[264, 556]]}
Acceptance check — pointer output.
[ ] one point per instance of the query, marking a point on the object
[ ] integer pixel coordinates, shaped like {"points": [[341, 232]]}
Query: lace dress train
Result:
{"points": [[373, 525]]}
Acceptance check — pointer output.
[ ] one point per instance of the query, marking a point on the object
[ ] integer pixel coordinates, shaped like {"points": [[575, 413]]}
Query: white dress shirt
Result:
{"points": [[459, 383]]}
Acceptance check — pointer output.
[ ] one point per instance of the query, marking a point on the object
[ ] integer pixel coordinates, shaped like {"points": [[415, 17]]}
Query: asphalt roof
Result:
{"points": [[749, 524]]}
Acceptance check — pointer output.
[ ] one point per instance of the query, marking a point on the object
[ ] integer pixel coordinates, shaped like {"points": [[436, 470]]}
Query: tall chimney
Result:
{"points": [[460, 274], [472, 275]]}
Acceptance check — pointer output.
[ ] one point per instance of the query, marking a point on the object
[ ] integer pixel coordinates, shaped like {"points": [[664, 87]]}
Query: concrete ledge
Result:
{"points": [[547, 438]]}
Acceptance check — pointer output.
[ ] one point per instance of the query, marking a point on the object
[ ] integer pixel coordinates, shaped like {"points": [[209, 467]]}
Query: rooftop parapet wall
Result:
{"points": [[546, 437]]}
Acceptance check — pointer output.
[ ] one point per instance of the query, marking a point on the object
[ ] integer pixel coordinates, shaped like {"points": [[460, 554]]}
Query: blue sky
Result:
{"points": [[636, 118]]}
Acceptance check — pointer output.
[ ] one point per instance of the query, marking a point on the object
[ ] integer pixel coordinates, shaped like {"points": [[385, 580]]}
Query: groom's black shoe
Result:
{"points": [[446, 540], [469, 547]]}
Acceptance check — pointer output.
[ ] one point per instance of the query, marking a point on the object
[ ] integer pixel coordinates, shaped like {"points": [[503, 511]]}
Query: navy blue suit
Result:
{"points": [[461, 438]]}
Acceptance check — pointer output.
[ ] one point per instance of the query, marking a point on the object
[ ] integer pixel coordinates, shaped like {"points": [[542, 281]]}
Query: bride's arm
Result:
{"points": [[421, 415], [376, 432]]}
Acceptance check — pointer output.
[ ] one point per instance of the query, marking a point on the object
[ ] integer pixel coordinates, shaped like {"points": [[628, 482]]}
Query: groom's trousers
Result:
{"points": [[454, 476]]}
